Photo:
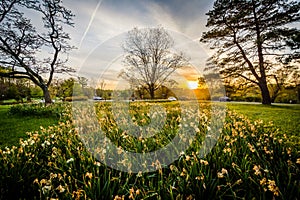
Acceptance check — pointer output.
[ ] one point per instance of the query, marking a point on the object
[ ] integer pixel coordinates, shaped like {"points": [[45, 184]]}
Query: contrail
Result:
{"points": [[90, 23]]}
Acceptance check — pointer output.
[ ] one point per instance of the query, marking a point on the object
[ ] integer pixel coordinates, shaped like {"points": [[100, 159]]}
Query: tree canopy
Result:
{"points": [[253, 39], [31, 52], [149, 58]]}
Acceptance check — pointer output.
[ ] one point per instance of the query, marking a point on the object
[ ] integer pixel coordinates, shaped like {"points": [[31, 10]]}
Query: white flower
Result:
{"points": [[46, 188], [70, 160]]}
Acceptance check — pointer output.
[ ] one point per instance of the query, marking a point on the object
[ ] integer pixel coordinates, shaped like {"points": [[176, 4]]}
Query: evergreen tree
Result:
{"points": [[252, 37]]}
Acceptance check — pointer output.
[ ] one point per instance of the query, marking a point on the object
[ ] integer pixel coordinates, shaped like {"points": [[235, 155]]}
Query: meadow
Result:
{"points": [[252, 158]]}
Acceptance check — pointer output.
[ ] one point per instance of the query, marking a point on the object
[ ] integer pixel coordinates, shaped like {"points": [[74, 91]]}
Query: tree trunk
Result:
{"points": [[298, 93], [151, 91], [265, 94], [47, 96]]}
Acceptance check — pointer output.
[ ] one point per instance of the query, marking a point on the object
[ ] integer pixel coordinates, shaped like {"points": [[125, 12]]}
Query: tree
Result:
{"points": [[65, 88], [250, 36], [100, 90], [16, 89], [29, 54], [213, 83], [281, 79], [149, 58]]}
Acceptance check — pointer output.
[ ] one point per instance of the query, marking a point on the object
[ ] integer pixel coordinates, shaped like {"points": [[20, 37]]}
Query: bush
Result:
{"points": [[76, 98], [253, 99], [40, 110]]}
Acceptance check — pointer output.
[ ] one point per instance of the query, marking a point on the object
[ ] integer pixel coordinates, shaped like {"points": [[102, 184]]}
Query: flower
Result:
{"points": [[36, 180], [46, 188], [273, 188], [187, 158], [203, 162], [98, 164], [43, 181], [208, 128], [220, 175], [257, 169], [263, 181], [252, 149], [61, 189], [131, 190], [239, 181], [131, 193], [137, 192], [89, 175], [70, 160], [224, 171], [172, 167], [52, 175], [200, 178], [227, 150], [119, 198], [183, 173], [120, 150]]}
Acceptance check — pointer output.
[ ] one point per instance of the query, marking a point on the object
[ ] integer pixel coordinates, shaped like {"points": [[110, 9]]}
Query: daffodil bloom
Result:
{"points": [[61, 189], [224, 171], [263, 181], [203, 162], [89, 175], [257, 169], [239, 181], [70, 160], [273, 188], [220, 175]]}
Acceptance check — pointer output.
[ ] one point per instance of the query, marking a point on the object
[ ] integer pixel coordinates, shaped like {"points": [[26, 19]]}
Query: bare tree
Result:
{"points": [[149, 58], [26, 53]]}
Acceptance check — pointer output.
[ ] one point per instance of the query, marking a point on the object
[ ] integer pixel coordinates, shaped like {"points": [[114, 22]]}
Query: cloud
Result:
{"points": [[100, 27], [90, 22]]}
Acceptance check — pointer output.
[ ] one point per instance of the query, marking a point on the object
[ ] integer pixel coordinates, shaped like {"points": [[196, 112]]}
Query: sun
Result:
{"points": [[192, 85]]}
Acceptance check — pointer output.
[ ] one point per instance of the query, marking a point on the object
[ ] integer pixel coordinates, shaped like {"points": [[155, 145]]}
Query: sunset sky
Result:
{"points": [[101, 25]]}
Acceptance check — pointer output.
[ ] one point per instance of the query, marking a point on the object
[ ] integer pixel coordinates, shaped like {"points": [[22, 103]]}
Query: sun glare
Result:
{"points": [[192, 84]]}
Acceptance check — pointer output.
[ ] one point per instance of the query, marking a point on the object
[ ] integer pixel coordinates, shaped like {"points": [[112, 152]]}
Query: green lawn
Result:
{"points": [[14, 127], [284, 116]]}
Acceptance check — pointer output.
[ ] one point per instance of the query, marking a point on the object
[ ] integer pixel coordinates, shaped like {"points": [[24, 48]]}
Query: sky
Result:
{"points": [[101, 26]]}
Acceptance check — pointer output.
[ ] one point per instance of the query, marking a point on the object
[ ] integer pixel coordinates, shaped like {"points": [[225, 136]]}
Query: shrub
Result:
{"points": [[253, 98], [76, 98], [40, 110]]}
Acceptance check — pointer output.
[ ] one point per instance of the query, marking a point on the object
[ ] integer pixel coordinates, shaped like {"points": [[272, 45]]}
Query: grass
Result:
{"points": [[250, 160], [14, 127], [286, 117]]}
